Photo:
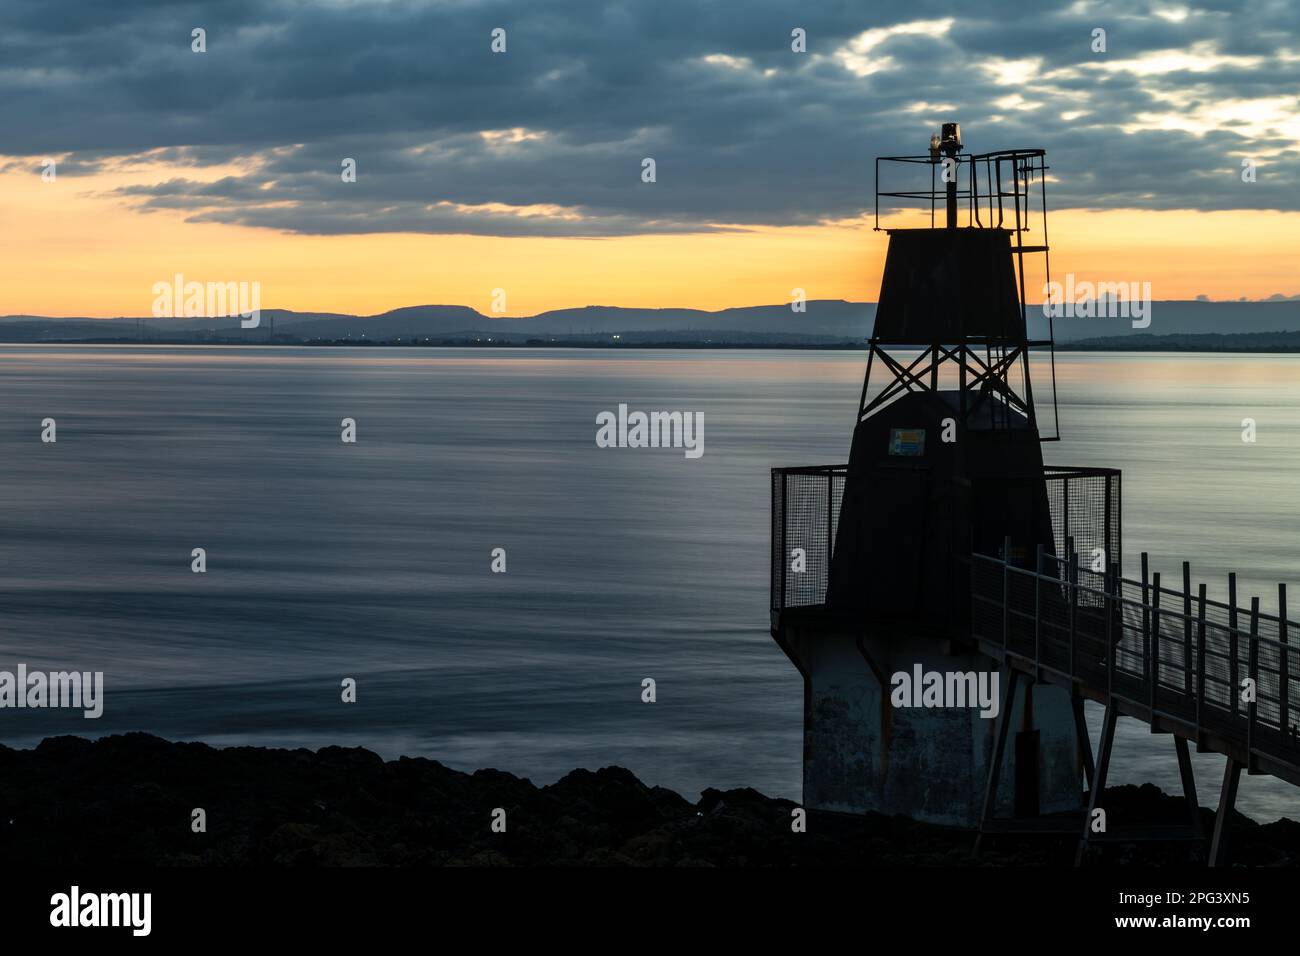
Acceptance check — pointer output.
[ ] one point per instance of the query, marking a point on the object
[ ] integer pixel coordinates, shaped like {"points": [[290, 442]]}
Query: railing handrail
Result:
{"points": [[1166, 611]]}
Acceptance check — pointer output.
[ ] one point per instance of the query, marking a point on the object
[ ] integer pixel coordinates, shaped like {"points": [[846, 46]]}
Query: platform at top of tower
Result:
{"points": [[949, 286]]}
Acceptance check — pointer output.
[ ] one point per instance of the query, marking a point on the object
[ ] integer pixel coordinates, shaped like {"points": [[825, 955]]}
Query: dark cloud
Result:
{"points": [[743, 131]]}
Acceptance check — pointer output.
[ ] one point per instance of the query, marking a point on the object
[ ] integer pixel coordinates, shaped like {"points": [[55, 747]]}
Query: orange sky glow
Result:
{"points": [[71, 247]]}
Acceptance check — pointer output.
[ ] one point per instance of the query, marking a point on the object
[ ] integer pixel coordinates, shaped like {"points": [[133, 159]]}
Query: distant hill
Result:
{"points": [[826, 323]]}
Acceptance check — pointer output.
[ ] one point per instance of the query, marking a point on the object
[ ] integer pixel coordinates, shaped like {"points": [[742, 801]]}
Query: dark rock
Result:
{"points": [[128, 799]]}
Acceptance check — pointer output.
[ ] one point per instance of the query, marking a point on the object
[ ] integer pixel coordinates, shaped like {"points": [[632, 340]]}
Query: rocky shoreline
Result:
{"points": [[129, 800]]}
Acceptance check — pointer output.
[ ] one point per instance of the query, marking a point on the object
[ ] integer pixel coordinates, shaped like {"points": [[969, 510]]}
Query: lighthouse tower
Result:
{"points": [[871, 560]]}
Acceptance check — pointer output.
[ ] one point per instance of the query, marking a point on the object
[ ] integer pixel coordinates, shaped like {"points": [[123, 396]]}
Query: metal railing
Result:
{"points": [[1173, 655], [1084, 503], [805, 519], [985, 182]]}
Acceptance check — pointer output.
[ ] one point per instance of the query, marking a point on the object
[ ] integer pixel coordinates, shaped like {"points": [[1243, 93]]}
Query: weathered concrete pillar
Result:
{"points": [[862, 753]]}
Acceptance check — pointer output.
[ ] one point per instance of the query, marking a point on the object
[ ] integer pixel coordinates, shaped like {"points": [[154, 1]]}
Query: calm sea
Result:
{"points": [[371, 561]]}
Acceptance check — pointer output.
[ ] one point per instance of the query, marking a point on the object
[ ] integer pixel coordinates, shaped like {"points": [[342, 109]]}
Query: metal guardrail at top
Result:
{"points": [[1172, 656], [984, 184], [1084, 503]]}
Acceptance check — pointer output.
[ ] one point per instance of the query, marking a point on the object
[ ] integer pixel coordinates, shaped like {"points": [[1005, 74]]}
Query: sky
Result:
{"points": [[522, 170]]}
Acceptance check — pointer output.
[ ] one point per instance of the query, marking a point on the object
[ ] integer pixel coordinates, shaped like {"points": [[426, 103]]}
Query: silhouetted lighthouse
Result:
{"points": [[871, 560]]}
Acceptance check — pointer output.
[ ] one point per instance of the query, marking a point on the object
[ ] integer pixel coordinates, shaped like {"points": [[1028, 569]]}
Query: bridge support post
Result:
{"points": [[999, 751], [1227, 802], [1189, 787], [1081, 735], [1099, 779]]}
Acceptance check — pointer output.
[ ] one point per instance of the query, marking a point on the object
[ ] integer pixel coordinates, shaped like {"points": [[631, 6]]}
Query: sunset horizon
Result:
{"points": [[761, 441], [124, 252]]}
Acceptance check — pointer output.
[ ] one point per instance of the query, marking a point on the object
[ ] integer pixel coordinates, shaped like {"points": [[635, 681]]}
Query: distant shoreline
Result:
{"points": [[1121, 345], [823, 325]]}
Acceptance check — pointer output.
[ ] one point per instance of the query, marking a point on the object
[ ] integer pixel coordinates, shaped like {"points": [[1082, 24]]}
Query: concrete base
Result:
{"points": [[862, 754]]}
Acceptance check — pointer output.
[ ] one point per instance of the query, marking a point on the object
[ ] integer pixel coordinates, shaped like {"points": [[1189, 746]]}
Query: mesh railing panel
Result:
{"points": [[1084, 503], [805, 516]]}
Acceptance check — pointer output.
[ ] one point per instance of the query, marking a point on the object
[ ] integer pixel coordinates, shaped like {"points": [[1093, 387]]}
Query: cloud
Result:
{"points": [[548, 138]]}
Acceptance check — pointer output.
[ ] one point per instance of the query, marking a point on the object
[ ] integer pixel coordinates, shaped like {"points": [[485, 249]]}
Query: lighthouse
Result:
{"points": [[871, 560]]}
